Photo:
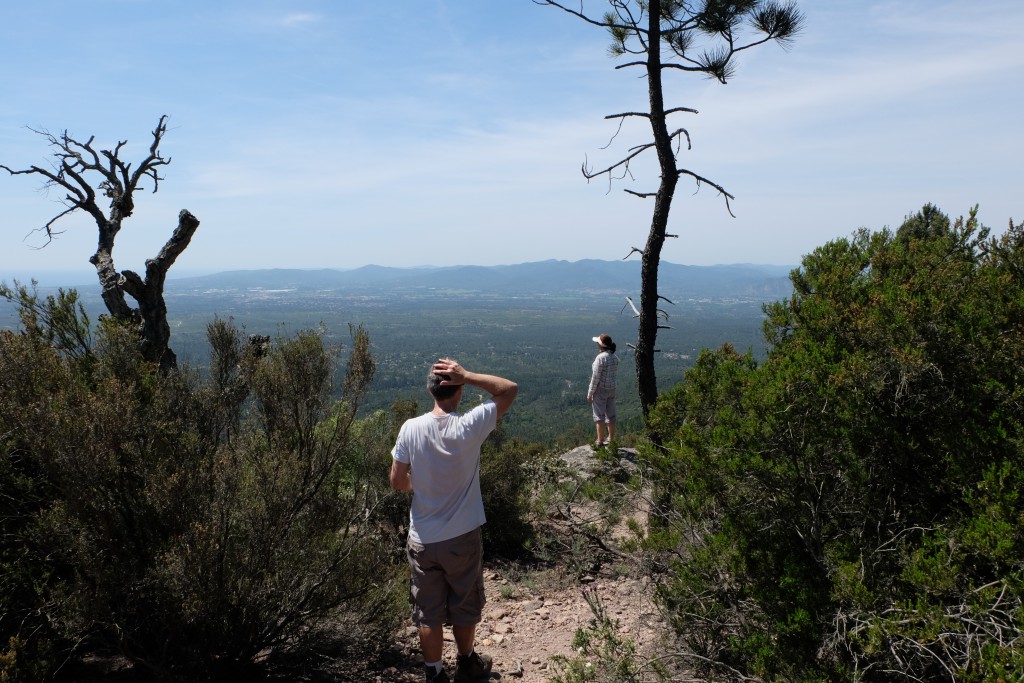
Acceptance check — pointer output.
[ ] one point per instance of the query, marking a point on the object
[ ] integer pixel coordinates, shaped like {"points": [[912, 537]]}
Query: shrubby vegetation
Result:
{"points": [[194, 527], [850, 508], [203, 527]]}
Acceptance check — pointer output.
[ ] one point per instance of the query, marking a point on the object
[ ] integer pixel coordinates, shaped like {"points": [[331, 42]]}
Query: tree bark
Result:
{"points": [[647, 381], [154, 331]]}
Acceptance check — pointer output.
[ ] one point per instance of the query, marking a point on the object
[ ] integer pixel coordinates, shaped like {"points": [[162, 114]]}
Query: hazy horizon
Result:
{"points": [[62, 277]]}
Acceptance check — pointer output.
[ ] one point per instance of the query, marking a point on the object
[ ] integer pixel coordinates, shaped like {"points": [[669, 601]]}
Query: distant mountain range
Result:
{"points": [[544, 277]]}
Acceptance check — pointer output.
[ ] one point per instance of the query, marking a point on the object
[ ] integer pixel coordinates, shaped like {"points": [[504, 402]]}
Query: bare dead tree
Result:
{"points": [[681, 36], [83, 173]]}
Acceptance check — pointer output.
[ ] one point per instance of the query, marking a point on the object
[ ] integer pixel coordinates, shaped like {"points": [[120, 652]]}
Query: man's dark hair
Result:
{"points": [[441, 392]]}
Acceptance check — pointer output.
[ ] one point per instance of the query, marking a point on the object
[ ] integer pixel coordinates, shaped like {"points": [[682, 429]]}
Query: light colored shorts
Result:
{"points": [[604, 408], [447, 580]]}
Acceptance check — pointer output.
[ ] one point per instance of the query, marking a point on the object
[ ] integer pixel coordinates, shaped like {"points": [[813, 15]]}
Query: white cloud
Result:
{"points": [[299, 18]]}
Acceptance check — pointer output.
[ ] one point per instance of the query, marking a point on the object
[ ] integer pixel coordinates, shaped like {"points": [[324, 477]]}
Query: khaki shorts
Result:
{"points": [[603, 408], [447, 580]]}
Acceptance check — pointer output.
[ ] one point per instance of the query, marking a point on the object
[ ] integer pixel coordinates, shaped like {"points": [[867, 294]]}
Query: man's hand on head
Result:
{"points": [[455, 372], [502, 390]]}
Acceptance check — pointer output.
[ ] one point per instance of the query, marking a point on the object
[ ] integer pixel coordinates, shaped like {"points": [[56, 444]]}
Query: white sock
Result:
{"points": [[436, 666]]}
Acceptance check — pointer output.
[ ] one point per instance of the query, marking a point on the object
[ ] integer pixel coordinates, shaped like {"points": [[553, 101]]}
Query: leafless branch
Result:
{"points": [[679, 134], [721, 190], [74, 160], [641, 114], [615, 134], [149, 165], [622, 163], [675, 110], [48, 228], [590, 20]]}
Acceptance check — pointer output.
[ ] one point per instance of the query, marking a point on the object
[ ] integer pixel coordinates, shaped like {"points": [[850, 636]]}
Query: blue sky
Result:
{"points": [[318, 133]]}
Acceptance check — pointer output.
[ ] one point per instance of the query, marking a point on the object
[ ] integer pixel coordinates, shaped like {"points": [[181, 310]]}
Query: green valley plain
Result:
{"points": [[532, 322]]}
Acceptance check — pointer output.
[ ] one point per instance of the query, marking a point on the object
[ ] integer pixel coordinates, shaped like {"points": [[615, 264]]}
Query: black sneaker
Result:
{"points": [[438, 677], [473, 667]]}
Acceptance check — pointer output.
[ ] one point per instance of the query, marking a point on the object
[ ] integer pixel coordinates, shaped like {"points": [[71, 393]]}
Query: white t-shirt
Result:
{"points": [[443, 452]]}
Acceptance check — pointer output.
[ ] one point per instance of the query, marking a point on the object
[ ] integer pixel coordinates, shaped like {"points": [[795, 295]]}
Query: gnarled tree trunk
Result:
{"points": [[82, 172]]}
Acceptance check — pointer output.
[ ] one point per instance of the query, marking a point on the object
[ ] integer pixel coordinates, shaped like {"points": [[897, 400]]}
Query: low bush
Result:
{"points": [[196, 526]]}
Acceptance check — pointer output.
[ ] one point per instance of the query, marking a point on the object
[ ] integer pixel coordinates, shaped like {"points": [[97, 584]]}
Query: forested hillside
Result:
{"points": [[533, 322]]}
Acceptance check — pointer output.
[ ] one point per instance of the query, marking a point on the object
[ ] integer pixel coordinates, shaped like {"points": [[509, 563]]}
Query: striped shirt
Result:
{"points": [[602, 378]]}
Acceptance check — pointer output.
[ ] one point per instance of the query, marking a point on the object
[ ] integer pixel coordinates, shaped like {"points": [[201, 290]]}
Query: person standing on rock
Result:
{"points": [[437, 458], [601, 393]]}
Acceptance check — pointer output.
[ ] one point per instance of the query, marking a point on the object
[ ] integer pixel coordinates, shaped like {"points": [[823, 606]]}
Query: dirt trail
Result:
{"points": [[525, 624], [523, 631]]}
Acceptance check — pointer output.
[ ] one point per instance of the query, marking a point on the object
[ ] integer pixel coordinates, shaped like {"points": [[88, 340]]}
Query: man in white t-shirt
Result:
{"points": [[437, 457]]}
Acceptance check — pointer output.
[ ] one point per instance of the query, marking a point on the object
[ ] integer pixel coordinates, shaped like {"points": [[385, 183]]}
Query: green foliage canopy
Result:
{"points": [[850, 507]]}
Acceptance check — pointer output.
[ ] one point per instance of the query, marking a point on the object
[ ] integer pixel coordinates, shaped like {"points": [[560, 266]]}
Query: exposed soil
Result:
{"points": [[524, 631], [532, 617]]}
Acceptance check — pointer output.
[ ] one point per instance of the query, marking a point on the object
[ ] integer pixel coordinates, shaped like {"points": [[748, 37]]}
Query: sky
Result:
{"points": [[328, 134]]}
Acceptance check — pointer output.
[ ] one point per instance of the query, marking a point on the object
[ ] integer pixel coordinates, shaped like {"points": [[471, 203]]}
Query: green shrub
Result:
{"points": [[849, 509], [506, 486], [196, 526]]}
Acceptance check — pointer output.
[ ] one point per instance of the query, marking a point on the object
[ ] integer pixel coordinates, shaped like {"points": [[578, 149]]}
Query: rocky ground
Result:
{"points": [[532, 617], [524, 630]]}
